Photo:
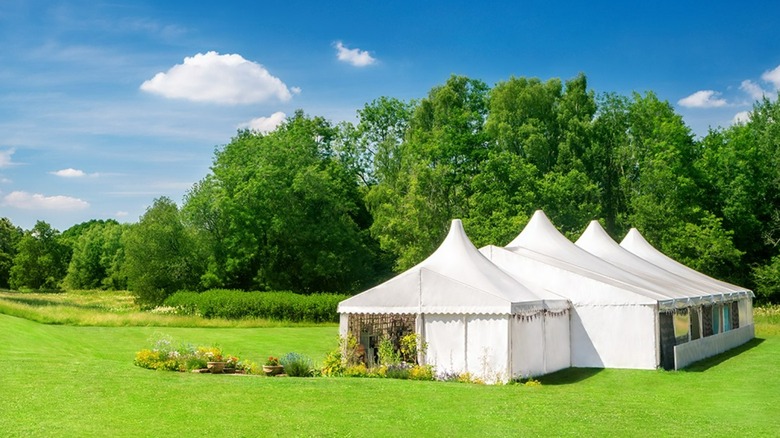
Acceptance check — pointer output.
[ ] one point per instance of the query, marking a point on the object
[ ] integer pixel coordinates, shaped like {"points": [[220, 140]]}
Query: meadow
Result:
{"points": [[79, 380]]}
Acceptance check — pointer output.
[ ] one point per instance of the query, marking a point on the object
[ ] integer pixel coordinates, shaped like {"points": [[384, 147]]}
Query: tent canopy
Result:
{"points": [[684, 291], [541, 241], [456, 278], [635, 243]]}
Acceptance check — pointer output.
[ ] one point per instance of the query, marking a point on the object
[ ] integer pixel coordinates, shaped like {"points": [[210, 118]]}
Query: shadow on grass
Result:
{"points": [[705, 364], [569, 376]]}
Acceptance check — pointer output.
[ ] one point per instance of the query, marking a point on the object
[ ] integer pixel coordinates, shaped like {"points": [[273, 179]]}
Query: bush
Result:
{"points": [[386, 353], [359, 370], [280, 306], [767, 280], [297, 365]]}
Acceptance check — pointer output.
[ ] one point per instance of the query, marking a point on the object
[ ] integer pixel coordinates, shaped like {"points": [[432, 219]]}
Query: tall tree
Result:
{"points": [[96, 259], [10, 236], [41, 260], [442, 151], [160, 254], [283, 211]]}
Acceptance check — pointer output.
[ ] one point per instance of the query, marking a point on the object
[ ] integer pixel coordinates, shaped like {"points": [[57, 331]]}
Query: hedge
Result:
{"points": [[280, 306]]}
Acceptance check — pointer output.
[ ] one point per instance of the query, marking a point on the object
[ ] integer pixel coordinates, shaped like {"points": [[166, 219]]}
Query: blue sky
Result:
{"points": [[106, 105]]}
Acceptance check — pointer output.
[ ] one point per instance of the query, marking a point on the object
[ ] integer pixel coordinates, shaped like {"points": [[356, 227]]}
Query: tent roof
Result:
{"points": [[542, 241], [683, 290], [456, 278], [635, 243]]}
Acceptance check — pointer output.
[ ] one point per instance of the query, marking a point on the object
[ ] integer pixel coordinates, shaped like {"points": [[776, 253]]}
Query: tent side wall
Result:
{"points": [[604, 336], [475, 344], [557, 345], [528, 343], [487, 352], [540, 344], [690, 352]]}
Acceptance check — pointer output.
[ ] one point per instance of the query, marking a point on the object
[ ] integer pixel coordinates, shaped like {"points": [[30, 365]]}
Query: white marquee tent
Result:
{"points": [[543, 303], [474, 317], [720, 320], [627, 313], [613, 316]]}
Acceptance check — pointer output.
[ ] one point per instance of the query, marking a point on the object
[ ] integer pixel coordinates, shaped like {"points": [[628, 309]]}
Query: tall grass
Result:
{"points": [[110, 309]]}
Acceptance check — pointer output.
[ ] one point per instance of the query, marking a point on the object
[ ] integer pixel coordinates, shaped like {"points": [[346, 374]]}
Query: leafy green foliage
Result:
{"points": [[284, 211], [41, 259], [9, 239], [160, 254], [767, 280], [387, 353], [98, 256], [280, 306]]}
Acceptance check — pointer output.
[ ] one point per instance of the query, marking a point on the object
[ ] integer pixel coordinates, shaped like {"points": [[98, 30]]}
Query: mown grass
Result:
{"points": [[111, 309], [79, 381]]}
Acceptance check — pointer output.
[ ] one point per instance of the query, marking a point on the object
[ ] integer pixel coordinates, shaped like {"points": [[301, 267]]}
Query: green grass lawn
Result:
{"points": [[59, 380]]}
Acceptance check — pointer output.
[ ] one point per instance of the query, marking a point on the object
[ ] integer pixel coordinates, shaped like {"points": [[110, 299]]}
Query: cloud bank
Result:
{"points": [[69, 173], [5, 158], [703, 99], [37, 201], [265, 124], [225, 79], [355, 57]]}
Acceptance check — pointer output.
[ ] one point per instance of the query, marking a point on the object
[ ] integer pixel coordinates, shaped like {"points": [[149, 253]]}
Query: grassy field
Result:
{"points": [[60, 380]]}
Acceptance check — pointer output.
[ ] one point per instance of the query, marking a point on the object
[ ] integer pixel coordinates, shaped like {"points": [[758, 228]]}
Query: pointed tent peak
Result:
{"points": [[456, 237], [539, 232], [595, 235], [636, 243], [459, 259], [457, 243], [634, 238]]}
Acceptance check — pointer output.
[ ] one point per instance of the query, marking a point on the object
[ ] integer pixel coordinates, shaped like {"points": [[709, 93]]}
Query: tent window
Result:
{"points": [[727, 317], [682, 326], [735, 315], [695, 327], [706, 320], [716, 319]]}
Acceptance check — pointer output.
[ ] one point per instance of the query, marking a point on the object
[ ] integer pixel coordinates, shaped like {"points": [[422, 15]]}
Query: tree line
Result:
{"points": [[320, 207]]}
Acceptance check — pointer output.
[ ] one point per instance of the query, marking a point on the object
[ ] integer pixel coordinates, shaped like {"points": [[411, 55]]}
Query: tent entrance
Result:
{"points": [[370, 329]]}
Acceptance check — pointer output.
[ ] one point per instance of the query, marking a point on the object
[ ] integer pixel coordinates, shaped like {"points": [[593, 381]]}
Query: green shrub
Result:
{"points": [[235, 304], [386, 353], [297, 365]]}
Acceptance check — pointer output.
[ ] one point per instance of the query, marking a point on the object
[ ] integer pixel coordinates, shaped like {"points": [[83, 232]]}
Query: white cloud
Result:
{"points": [[356, 57], [69, 173], [121, 214], [225, 79], [741, 117], [703, 99], [772, 76], [36, 201], [753, 89], [265, 124], [5, 158]]}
